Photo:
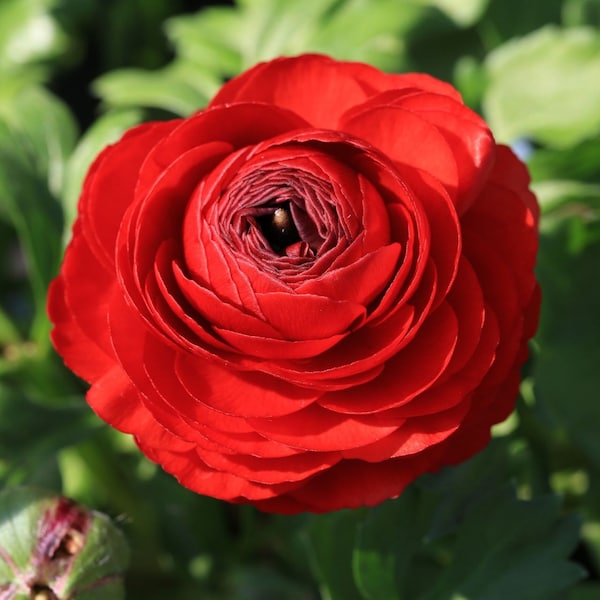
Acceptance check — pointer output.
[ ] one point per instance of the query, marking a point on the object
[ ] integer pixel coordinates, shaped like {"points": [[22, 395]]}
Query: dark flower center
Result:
{"points": [[279, 228]]}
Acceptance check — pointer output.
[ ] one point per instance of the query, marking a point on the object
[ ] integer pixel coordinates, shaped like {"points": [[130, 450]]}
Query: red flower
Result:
{"points": [[308, 294]]}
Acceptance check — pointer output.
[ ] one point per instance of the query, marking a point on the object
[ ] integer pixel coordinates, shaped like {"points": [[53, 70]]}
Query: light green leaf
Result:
{"points": [[45, 129], [210, 39], [464, 13], [30, 37], [545, 86], [180, 91], [574, 207], [225, 41], [105, 130], [580, 197], [375, 33]]}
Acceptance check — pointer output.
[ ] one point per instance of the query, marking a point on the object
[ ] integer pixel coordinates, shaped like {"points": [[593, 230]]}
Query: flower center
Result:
{"points": [[279, 228]]}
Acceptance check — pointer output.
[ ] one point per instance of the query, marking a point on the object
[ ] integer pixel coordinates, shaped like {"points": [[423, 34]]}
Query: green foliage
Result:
{"points": [[31, 38], [219, 42], [550, 63], [37, 134], [419, 548], [504, 524]]}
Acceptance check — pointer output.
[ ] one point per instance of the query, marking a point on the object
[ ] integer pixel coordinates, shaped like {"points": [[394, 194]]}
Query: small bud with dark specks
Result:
{"points": [[53, 549]]}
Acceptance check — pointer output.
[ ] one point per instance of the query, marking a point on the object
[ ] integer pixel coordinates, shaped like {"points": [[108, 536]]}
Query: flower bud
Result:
{"points": [[53, 549]]}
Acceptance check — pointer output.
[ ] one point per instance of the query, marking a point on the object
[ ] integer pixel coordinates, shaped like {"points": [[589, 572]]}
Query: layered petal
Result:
{"points": [[308, 294]]}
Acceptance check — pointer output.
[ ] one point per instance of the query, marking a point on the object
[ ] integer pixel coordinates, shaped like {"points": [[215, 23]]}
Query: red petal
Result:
{"points": [[272, 470], [415, 436], [195, 474], [359, 282], [312, 86], [109, 187], [306, 317], [246, 394], [414, 369], [319, 430], [77, 305], [116, 401], [407, 139], [353, 483]]}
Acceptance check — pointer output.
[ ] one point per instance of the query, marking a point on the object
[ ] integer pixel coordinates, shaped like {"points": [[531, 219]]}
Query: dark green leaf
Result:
{"points": [[586, 591], [581, 161], [386, 541], [581, 12], [37, 134], [566, 371], [29, 431], [263, 583], [506, 19], [36, 216], [331, 539], [508, 548]]}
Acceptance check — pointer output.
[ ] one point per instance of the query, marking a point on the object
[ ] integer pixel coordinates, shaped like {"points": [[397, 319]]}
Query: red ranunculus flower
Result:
{"points": [[307, 294]]}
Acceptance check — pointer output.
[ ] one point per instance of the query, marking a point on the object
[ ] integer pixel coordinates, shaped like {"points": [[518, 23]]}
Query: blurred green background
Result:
{"points": [[75, 74]]}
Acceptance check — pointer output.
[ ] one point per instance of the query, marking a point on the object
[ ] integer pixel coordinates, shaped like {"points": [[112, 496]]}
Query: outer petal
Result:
{"points": [[312, 86]]}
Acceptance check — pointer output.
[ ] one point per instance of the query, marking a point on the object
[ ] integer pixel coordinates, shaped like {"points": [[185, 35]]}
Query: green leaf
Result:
{"points": [[51, 545], [375, 33], [457, 489], [262, 582], [581, 12], [567, 378], [588, 591], [561, 65], [106, 130], [30, 431], [225, 41], [210, 39], [30, 37], [45, 129], [36, 216], [9, 333], [560, 199], [386, 541], [507, 19], [508, 548], [581, 161], [464, 13], [37, 134], [331, 540], [174, 89]]}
